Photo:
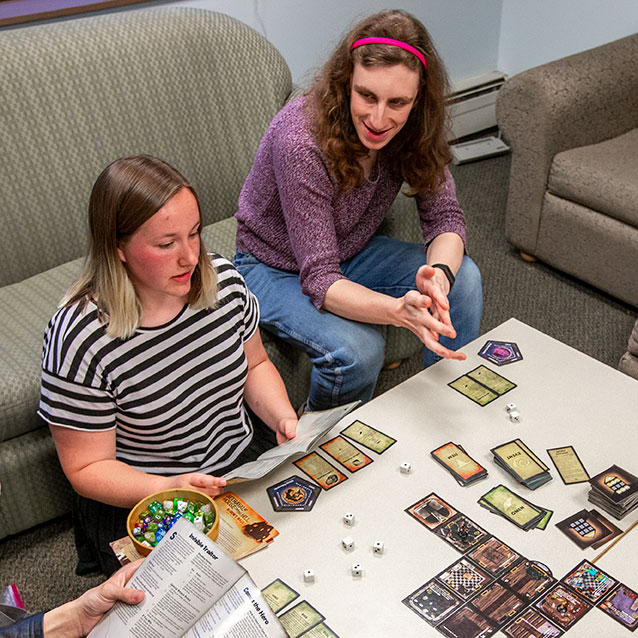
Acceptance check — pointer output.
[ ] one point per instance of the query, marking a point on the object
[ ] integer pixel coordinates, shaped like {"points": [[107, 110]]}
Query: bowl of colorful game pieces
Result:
{"points": [[149, 521]]}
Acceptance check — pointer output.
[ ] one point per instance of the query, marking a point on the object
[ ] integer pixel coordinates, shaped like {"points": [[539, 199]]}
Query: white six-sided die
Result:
{"points": [[515, 417], [405, 467], [347, 543], [356, 569], [308, 575], [378, 547], [511, 406], [348, 518]]}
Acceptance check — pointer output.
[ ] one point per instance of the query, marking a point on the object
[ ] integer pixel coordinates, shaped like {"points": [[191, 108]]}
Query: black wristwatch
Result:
{"points": [[448, 273]]}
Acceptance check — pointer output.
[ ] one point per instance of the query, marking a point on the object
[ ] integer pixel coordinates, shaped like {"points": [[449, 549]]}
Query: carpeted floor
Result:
{"points": [[41, 561]]}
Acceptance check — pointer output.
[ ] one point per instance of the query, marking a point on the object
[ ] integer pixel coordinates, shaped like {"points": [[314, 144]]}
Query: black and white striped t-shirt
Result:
{"points": [[174, 392]]}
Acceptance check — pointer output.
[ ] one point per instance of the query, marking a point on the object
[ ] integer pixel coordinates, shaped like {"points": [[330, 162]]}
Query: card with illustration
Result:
{"points": [[516, 458], [293, 494], [498, 604], [569, 466], [462, 533], [300, 619], [589, 581], [501, 352], [351, 457], [514, 508], [464, 578], [368, 436], [494, 556], [466, 623], [530, 624], [482, 385], [432, 602], [547, 514], [278, 595], [320, 631], [431, 511], [529, 579], [584, 529], [318, 469], [615, 483], [491, 380], [622, 605], [459, 463], [562, 607]]}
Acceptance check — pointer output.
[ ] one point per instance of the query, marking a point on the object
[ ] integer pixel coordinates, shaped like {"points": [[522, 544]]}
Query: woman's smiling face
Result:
{"points": [[381, 99]]}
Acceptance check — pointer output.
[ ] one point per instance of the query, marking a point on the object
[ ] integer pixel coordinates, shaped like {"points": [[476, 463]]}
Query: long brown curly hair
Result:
{"points": [[420, 152]]}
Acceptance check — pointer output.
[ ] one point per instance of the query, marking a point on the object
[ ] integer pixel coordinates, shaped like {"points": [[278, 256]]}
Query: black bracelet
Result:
{"points": [[447, 272]]}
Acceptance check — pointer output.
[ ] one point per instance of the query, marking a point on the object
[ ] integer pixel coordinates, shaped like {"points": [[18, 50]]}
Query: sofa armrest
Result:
{"points": [[575, 101]]}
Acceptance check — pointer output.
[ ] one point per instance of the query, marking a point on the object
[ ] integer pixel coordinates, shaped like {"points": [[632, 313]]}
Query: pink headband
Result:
{"points": [[394, 43]]}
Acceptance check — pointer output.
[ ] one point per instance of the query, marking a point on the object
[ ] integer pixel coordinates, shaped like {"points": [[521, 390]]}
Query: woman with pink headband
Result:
{"points": [[324, 178]]}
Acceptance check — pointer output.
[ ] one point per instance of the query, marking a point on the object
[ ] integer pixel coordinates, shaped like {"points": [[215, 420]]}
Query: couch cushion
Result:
{"points": [[600, 176]]}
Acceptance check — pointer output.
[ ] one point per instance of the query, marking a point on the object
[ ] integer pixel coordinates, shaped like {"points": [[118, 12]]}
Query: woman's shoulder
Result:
{"points": [[227, 275], [292, 126]]}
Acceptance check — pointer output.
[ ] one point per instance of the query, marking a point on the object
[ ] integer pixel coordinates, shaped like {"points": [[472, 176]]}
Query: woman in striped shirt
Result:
{"points": [[154, 375]]}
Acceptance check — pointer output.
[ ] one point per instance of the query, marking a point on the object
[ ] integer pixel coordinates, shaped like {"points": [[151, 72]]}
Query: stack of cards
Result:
{"points": [[615, 490], [515, 509], [588, 529], [459, 463], [517, 459]]}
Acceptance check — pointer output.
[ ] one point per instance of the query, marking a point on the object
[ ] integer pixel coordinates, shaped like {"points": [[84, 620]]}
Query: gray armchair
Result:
{"points": [[573, 194]]}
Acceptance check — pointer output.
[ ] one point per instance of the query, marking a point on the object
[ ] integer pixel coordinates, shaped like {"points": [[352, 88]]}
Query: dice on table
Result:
{"points": [[515, 417], [405, 467], [356, 569], [378, 547], [511, 406], [347, 543], [348, 518], [309, 575]]}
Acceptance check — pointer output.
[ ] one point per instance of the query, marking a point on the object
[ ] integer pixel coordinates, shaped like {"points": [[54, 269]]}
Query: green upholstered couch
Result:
{"points": [[191, 86]]}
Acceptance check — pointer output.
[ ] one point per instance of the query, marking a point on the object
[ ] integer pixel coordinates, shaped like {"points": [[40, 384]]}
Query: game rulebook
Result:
{"points": [[193, 589]]}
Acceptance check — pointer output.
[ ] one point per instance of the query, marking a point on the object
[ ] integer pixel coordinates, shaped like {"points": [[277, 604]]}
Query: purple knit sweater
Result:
{"points": [[292, 217]]}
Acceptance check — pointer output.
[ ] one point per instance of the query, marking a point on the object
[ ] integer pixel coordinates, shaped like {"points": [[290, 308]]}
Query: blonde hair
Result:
{"points": [[128, 192], [420, 152]]}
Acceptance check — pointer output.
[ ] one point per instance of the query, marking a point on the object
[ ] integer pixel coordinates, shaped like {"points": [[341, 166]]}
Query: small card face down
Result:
{"points": [[459, 463], [584, 529], [514, 508], [318, 469], [569, 466], [615, 484], [501, 352], [368, 436], [482, 385], [294, 494]]}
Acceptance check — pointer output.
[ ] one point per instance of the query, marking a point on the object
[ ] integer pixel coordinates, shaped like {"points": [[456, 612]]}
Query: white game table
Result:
{"points": [[564, 398]]}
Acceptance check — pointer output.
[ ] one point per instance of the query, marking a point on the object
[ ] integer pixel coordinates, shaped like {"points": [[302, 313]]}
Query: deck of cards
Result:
{"points": [[459, 463], [519, 461], [615, 490], [525, 515]]}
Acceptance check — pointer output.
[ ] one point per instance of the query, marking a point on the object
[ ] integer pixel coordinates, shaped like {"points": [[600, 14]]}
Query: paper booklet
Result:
{"points": [[193, 589], [311, 428]]}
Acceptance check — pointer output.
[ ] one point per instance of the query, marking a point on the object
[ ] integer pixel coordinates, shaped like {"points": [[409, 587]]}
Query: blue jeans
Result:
{"points": [[347, 355]]}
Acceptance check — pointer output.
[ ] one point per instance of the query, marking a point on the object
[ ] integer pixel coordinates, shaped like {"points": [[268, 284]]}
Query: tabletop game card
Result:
{"points": [[547, 514], [589, 581], [278, 595], [615, 483], [562, 606], [298, 620], [466, 623], [494, 556], [529, 579], [513, 507], [501, 352], [473, 390], [605, 522], [491, 380], [622, 605], [431, 511], [583, 528], [432, 602], [351, 457], [516, 458], [368, 437], [459, 463], [530, 624], [320, 631], [462, 533], [569, 466], [293, 494], [318, 469], [464, 578], [498, 604], [530, 453]]}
